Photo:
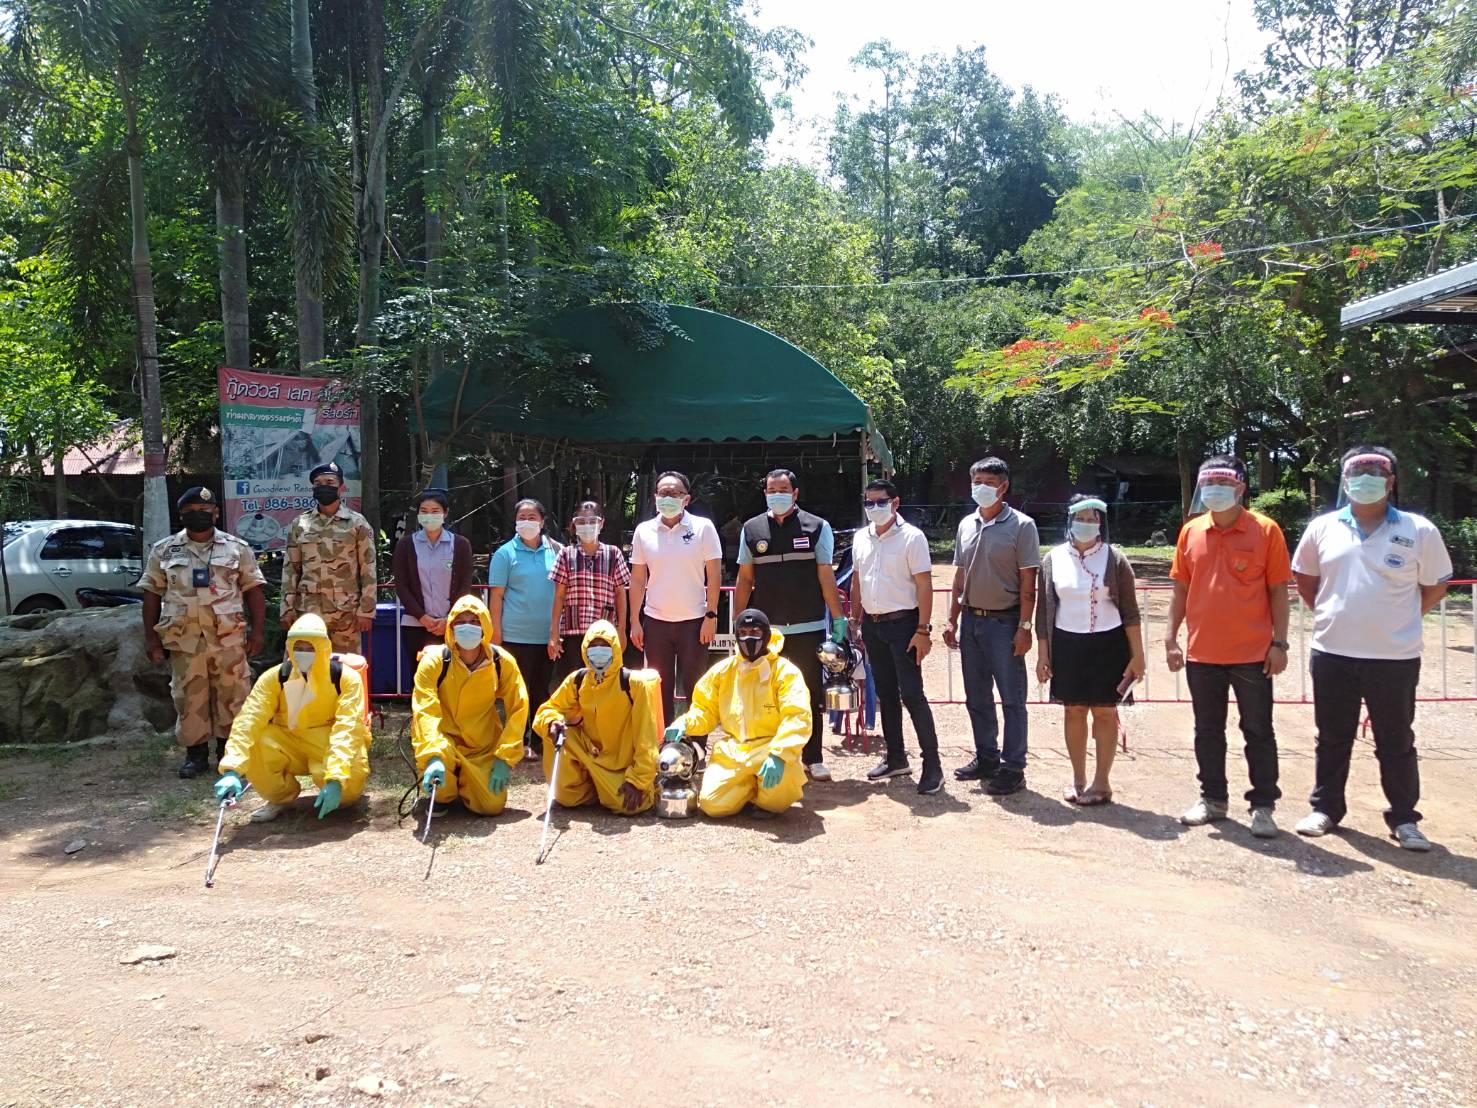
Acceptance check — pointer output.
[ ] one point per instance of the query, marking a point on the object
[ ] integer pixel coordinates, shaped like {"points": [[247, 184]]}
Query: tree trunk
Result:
{"points": [[435, 356], [1189, 466], [156, 492], [371, 223], [59, 476], [308, 272], [230, 225]]}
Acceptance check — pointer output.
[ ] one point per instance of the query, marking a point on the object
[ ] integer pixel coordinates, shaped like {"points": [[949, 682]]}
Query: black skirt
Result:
{"points": [[1087, 669]]}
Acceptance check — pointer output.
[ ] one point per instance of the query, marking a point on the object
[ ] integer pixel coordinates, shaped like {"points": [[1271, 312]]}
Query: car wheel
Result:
{"points": [[34, 604]]}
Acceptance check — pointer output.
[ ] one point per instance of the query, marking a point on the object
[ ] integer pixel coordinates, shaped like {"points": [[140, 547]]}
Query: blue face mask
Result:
{"points": [[984, 495], [600, 657], [1366, 488], [467, 635], [779, 502], [1083, 531], [1218, 498]]}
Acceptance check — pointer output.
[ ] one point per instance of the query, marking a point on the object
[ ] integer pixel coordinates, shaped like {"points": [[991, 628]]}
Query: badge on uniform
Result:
{"points": [[1394, 561], [1403, 540], [200, 577], [761, 546], [802, 543]]}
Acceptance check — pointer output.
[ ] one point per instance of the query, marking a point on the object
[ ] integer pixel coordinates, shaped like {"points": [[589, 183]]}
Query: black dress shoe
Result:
{"points": [[974, 770], [197, 761], [1005, 782], [888, 768], [932, 780], [220, 750]]}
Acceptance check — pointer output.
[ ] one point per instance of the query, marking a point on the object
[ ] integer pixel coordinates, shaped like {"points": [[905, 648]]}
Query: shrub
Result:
{"points": [[1289, 508], [1460, 536]]}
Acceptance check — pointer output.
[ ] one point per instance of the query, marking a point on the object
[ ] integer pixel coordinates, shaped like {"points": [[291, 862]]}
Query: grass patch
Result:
{"points": [[179, 806], [53, 757], [9, 790]]}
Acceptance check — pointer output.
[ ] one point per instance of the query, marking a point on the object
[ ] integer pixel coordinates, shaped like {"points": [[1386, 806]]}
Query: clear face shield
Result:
{"points": [[1366, 479], [1085, 521], [1217, 489]]}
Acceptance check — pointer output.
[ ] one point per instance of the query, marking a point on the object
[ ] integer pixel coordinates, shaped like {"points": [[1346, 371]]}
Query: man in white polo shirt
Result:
{"points": [[676, 573], [1370, 572], [892, 600]]}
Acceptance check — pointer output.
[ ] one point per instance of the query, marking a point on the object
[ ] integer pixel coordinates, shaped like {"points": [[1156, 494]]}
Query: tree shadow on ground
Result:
{"points": [[1440, 863]]}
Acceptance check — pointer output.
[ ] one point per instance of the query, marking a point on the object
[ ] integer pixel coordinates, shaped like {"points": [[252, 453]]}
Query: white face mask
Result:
{"points": [[303, 660], [587, 532], [670, 506], [528, 528], [878, 515], [984, 495], [431, 521]]}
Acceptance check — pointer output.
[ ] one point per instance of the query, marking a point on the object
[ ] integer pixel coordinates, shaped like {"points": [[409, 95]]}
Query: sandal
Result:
{"points": [[1090, 797], [1072, 794]]}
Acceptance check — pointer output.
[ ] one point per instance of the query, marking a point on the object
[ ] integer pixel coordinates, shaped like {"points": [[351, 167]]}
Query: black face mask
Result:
{"points": [[752, 649], [325, 494], [197, 520]]}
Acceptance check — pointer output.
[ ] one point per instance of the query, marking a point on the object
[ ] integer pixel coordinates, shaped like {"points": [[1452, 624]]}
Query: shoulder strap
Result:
{"points": [[336, 674], [284, 671], [579, 681], [445, 664]]}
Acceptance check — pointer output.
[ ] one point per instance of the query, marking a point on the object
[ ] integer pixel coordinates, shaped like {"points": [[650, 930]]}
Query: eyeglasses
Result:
{"points": [[1360, 469], [876, 503]]}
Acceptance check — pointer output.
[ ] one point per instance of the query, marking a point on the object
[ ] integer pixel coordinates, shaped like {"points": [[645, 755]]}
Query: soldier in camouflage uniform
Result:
{"points": [[199, 586], [330, 564]]}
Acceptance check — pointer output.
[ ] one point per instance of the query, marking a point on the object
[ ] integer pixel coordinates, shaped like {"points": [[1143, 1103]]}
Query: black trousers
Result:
{"points": [[1387, 688], [898, 679], [537, 670], [572, 657], [801, 649], [1209, 685], [674, 647]]}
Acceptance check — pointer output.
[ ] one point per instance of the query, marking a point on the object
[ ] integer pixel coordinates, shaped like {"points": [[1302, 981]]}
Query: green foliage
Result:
{"points": [[1460, 536], [1288, 508]]}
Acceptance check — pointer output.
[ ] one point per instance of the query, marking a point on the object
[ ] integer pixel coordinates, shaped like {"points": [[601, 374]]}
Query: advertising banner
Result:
{"points": [[274, 429]]}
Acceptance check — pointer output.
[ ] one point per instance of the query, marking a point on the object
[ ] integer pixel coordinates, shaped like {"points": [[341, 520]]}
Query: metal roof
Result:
{"points": [[1446, 297]]}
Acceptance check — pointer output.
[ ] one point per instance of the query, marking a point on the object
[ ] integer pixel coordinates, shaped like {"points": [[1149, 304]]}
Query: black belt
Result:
{"points": [[994, 613], [884, 617]]}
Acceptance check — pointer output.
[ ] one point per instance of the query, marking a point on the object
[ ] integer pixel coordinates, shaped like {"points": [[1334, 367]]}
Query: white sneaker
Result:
{"points": [[268, 812], [1262, 824], [1204, 811], [1314, 825], [1409, 836], [819, 772]]}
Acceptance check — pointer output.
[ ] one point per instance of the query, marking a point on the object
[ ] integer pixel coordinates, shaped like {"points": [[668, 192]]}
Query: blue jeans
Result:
{"points": [[987, 650]]}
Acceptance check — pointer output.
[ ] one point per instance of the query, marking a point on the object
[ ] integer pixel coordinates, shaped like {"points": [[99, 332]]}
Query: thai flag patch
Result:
{"points": [[802, 543]]}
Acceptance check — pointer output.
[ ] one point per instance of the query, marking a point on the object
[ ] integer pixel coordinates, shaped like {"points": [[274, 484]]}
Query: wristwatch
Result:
{"points": [[711, 615], [1280, 644], [1025, 625], [925, 629]]}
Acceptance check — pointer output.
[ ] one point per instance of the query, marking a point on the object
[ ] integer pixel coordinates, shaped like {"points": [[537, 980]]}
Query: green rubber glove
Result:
{"points": [[434, 777], [675, 733], [838, 628], [497, 781], [329, 797], [230, 786], [771, 771]]}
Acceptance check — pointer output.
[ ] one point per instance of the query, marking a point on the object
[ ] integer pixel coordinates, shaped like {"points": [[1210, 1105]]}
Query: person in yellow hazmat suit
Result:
{"points": [[610, 719], [468, 710], [760, 701], [305, 716]]}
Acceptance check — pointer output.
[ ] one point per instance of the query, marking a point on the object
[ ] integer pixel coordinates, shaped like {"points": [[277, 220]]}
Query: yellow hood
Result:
{"points": [[300, 690], [602, 630], [469, 604]]}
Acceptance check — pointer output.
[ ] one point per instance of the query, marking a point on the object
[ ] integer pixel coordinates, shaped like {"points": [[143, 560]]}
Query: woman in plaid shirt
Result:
{"points": [[590, 581]]}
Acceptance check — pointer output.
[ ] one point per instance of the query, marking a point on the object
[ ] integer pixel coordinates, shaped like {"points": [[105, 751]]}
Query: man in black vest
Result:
{"points": [[785, 569]]}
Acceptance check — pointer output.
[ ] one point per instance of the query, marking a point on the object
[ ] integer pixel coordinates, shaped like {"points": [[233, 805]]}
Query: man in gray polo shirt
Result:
{"points": [[997, 554]]}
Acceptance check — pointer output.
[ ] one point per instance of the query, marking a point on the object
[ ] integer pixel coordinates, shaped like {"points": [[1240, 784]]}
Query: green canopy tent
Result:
{"points": [[726, 381]]}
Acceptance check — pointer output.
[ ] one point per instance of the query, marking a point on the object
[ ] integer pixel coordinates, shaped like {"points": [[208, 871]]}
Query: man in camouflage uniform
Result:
{"points": [[330, 564], [199, 586]]}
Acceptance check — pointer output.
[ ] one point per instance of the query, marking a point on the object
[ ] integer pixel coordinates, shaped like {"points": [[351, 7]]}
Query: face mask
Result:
{"points": [[528, 528], [1085, 532], [304, 659], [467, 635], [984, 495], [751, 648], [197, 520], [587, 532], [669, 506], [780, 502], [431, 521], [879, 514], [325, 494], [1366, 488], [600, 657], [1218, 498]]}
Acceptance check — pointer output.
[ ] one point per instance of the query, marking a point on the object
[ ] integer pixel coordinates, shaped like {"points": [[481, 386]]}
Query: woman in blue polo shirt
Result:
{"points": [[521, 600]]}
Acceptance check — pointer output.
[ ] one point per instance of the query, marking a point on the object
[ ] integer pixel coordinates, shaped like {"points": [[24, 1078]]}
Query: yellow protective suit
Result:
{"points": [[611, 737], [763, 708], [302, 726], [455, 717]]}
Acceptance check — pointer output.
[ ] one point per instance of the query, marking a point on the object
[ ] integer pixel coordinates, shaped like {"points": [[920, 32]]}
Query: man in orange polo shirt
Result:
{"points": [[1231, 571]]}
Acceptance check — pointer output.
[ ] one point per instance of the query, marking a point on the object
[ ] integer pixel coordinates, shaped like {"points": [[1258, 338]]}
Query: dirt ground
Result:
{"points": [[870, 947]]}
